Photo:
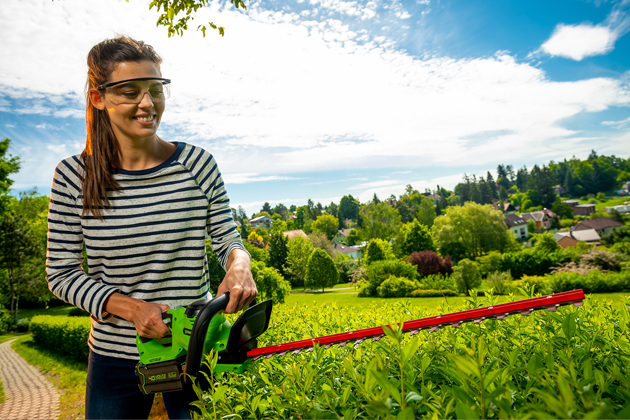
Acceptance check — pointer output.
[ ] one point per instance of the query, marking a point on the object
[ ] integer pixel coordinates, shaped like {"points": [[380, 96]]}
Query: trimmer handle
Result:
{"points": [[198, 333], [165, 316]]}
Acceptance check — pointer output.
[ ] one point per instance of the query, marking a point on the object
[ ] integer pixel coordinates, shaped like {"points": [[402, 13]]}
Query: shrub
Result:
{"points": [[378, 272], [6, 321], [438, 282], [270, 283], [467, 275], [500, 282], [429, 262], [489, 263], [397, 287], [256, 251], [533, 262], [78, 312], [418, 238], [540, 283], [64, 335], [321, 270], [23, 325], [621, 248], [433, 293], [346, 268], [604, 260], [593, 282]]}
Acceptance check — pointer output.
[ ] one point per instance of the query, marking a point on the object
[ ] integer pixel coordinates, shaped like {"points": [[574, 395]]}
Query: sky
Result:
{"points": [[323, 98]]}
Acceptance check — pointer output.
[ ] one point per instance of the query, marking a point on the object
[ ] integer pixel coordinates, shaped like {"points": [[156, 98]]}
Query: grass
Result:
{"points": [[55, 311], [601, 205], [336, 286], [68, 376]]}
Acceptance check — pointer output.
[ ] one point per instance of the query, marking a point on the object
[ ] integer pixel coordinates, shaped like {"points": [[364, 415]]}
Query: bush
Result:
{"points": [[78, 312], [346, 268], [6, 321], [604, 260], [23, 325], [429, 262], [533, 262], [380, 271], [489, 263], [373, 253], [438, 282], [256, 251], [467, 276], [397, 287], [433, 293], [593, 282], [621, 248], [500, 282], [540, 283], [68, 336], [270, 283]]}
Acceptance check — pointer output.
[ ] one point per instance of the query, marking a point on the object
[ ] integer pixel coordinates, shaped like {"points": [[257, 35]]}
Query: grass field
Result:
{"points": [[56, 311], [600, 206]]}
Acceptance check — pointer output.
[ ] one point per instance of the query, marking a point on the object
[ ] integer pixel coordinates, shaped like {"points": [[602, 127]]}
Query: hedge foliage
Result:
{"points": [[533, 262], [397, 287], [380, 271], [66, 335]]}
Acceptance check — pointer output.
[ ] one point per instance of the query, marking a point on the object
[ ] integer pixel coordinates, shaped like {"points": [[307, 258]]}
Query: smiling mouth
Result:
{"points": [[145, 119]]}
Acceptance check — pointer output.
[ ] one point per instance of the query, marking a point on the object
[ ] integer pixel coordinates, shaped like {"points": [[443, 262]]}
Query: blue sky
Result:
{"points": [[322, 98]]}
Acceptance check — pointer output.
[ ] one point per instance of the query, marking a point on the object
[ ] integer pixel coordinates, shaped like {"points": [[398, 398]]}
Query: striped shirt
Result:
{"points": [[150, 245]]}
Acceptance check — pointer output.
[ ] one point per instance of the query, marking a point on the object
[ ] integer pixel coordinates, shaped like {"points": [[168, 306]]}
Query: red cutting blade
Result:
{"points": [[524, 307]]}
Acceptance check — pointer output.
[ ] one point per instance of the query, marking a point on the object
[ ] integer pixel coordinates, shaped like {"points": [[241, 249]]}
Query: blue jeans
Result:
{"points": [[112, 392]]}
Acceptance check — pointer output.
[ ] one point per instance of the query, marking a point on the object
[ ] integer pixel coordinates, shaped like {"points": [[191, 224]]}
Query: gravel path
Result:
{"points": [[28, 395]]}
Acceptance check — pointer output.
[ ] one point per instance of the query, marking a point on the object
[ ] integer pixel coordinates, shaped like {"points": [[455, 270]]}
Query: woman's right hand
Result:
{"points": [[147, 317]]}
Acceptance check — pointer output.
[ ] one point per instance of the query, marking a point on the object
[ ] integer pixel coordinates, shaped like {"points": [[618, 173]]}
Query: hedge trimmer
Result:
{"points": [[169, 363]]}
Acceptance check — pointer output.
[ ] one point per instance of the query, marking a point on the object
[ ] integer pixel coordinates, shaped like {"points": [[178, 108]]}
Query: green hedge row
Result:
{"points": [[66, 335]]}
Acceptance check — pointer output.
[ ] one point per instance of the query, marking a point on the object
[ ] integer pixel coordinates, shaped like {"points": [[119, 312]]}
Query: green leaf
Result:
{"points": [[406, 414], [412, 396], [568, 326], [465, 412], [385, 383]]}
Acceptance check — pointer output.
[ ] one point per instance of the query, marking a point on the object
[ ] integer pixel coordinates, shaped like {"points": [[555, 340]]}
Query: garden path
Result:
{"points": [[27, 392]]}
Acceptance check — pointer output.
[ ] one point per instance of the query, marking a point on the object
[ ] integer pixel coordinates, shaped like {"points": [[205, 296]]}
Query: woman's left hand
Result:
{"points": [[238, 281]]}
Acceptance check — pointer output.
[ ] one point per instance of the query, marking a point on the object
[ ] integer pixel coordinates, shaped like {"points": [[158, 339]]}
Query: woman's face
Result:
{"points": [[134, 121]]}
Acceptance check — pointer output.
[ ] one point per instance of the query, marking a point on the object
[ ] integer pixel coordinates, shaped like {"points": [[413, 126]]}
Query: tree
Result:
{"points": [[267, 209], [282, 210], [299, 251], [562, 210], [321, 270], [417, 238], [375, 199], [373, 253], [471, 231], [380, 221], [521, 178], [240, 213], [348, 208], [326, 224], [545, 242], [503, 195], [354, 237], [9, 164], [541, 181], [270, 283], [278, 251], [320, 241], [215, 270], [426, 212], [467, 276]]}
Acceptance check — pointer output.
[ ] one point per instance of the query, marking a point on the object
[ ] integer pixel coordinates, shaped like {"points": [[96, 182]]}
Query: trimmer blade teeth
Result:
{"points": [[553, 308], [377, 338], [414, 332], [457, 324], [434, 329], [479, 320], [296, 351], [578, 304], [527, 312]]}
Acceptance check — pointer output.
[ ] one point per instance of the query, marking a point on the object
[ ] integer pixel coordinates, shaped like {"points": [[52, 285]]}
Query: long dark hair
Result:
{"points": [[102, 152]]}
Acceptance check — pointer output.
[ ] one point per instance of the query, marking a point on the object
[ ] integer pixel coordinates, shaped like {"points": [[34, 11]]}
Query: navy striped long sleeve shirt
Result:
{"points": [[150, 245]]}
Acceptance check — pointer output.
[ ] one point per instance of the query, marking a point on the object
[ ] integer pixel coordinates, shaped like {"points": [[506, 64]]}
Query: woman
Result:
{"points": [[142, 206]]}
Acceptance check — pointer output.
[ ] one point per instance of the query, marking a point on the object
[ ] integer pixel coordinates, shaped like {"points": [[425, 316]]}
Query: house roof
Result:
{"points": [[597, 223], [345, 249], [258, 219], [537, 216], [344, 232], [550, 213], [585, 205], [570, 201], [512, 220], [588, 235], [434, 196], [293, 233]]}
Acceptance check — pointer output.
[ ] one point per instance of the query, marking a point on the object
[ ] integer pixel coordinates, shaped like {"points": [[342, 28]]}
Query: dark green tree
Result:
{"points": [[278, 251], [321, 271], [348, 208], [267, 207], [418, 238], [374, 253]]}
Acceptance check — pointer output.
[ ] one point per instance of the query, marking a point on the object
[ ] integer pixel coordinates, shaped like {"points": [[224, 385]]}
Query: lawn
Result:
{"points": [[55, 310], [601, 205]]}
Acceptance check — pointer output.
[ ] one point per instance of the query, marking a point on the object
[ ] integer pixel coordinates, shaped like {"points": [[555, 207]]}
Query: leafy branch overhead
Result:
{"points": [[176, 14]]}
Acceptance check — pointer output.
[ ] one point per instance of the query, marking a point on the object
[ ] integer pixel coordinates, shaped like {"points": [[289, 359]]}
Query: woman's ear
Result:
{"points": [[96, 99]]}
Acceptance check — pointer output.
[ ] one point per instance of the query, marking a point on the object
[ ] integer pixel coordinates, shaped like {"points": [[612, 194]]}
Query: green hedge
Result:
{"points": [[65, 335], [433, 293], [593, 282]]}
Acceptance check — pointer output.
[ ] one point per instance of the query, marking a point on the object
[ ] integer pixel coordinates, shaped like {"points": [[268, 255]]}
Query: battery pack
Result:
{"points": [[159, 377]]}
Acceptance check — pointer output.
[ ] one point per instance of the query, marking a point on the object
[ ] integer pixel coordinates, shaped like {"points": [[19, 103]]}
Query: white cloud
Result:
{"points": [[45, 126], [617, 124], [10, 125], [374, 184], [585, 40], [244, 178], [579, 41], [57, 148]]}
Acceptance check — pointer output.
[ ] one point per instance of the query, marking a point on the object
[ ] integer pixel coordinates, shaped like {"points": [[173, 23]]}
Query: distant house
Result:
{"points": [[507, 207], [590, 236], [559, 189], [347, 222], [540, 217], [517, 225], [340, 236], [622, 208], [293, 233], [626, 186], [352, 251], [435, 197], [264, 222], [603, 225], [583, 209], [571, 203], [292, 217]]}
